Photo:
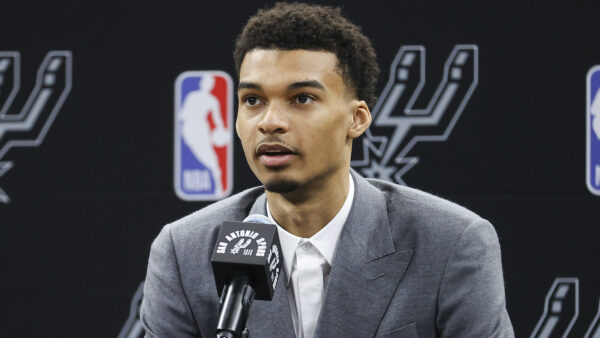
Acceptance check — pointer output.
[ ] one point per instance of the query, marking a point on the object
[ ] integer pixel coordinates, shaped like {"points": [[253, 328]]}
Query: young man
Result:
{"points": [[362, 257]]}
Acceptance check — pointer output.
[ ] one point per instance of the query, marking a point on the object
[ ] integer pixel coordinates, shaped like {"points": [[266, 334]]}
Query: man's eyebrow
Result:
{"points": [[295, 85], [301, 84], [248, 85]]}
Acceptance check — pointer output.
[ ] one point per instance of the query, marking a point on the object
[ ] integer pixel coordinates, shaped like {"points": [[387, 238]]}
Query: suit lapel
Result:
{"points": [[366, 269], [270, 318]]}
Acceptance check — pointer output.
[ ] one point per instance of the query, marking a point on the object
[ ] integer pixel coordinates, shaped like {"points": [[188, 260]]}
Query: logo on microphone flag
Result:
{"points": [[203, 135], [593, 130], [242, 239]]}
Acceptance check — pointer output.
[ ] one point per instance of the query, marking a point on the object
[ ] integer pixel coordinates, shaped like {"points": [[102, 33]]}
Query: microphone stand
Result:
{"points": [[235, 303]]}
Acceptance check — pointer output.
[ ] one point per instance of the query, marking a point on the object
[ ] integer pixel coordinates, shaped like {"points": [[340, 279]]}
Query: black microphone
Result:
{"points": [[246, 264]]}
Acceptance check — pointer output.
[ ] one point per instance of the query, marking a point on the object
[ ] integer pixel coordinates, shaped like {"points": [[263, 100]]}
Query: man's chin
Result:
{"points": [[282, 185]]}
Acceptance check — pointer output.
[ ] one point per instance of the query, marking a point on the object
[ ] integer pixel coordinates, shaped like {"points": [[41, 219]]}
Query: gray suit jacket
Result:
{"points": [[407, 264]]}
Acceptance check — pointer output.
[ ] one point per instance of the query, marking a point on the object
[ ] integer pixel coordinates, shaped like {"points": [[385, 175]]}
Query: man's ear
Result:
{"points": [[361, 119]]}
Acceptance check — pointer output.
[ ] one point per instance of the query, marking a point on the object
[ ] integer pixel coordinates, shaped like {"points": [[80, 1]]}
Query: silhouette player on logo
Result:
{"points": [[196, 129], [595, 110]]}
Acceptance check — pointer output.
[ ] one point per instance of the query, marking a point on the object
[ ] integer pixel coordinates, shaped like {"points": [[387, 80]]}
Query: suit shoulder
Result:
{"points": [[423, 210], [209, 218]]}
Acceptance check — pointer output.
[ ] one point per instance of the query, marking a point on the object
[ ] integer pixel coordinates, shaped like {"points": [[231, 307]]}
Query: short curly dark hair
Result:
{"points": [[289, 26]]}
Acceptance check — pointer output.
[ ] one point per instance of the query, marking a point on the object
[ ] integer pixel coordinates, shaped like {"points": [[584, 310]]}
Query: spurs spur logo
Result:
{"points": [[29, 127], [561, 310], [398, 126], [240, 245]]}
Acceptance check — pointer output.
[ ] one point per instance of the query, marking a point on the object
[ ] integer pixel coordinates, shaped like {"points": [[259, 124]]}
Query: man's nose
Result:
{"points": [[273, 120]]}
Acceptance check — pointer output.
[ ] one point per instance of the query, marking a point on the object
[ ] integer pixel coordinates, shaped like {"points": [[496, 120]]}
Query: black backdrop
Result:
{"points": [[88, 201]]}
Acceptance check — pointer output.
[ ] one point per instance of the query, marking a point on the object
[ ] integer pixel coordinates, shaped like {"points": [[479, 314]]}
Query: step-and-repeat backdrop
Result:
{"points": [[500, 112]]}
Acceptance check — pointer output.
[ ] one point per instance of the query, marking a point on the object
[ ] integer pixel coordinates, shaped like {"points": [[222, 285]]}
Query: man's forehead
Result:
{"points": [[296, 59], [261, 65]]}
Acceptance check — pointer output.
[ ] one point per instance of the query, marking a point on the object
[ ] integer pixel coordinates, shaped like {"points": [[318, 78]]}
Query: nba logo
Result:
{"points": [[203, 135], [593, 130]]}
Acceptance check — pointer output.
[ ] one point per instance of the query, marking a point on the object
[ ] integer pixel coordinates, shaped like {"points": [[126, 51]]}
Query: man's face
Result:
{"points": [[294, 117]]}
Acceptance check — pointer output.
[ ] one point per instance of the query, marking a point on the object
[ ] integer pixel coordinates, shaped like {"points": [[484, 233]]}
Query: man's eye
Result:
{"points": [[251, 100], [304, 99]]}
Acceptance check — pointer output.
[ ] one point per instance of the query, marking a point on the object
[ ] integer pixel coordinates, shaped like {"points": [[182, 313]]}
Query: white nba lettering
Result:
{"points": [[598, 175], [196, 180]]}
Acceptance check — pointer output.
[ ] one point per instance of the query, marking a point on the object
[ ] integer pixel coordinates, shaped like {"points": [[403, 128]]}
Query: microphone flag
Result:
{"points": [[250, 248]]}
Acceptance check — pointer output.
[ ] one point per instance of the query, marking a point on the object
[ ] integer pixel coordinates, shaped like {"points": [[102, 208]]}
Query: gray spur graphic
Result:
{"points": [[561, 309], [594, 330], [133, 325], [397, 125], [29, 127]]}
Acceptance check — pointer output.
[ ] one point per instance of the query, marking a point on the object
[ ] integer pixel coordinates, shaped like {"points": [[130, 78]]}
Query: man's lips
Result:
{"points": [[274, 154]]}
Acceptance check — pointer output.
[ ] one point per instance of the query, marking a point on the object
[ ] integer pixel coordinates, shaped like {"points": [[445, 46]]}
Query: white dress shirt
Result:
{"points": [[308, 264]]}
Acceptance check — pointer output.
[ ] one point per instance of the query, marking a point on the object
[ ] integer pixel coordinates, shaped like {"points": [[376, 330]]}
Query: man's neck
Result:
{"points": [[307, 210]]}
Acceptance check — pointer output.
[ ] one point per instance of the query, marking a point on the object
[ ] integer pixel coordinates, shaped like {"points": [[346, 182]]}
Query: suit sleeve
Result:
{"points": [[165, 311], [471, 300]]}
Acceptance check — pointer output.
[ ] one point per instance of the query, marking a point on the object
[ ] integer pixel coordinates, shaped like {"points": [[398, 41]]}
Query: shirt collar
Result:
{"points": [[325, 240]]}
